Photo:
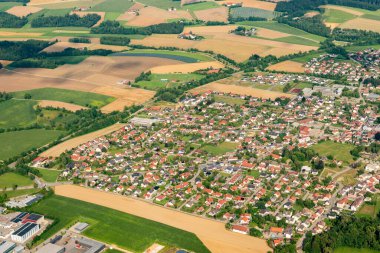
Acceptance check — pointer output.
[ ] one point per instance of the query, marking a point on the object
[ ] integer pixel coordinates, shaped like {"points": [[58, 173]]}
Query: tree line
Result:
{"points": [[11, 21], [17, 50], [111, 40], [67, 20], [114, 27]]}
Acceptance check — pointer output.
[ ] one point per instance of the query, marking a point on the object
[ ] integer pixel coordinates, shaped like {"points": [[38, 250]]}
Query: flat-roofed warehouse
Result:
{"points": [[51, 248], [93, 246], [25, 232]]}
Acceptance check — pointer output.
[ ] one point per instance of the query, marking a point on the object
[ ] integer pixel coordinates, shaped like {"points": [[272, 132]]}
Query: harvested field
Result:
{"points": [[219, 40], [60, 46], [58, 104], [153, 15], [186, 68], [270, 34], [214, 14], [63, 4], [216, 238], [311, 14], [17, 34], [332, 25], [22, 11], [253, 3], [288, 66], [362, 24], [84, 13], [72, 143], [239, 90], [5, 63]]}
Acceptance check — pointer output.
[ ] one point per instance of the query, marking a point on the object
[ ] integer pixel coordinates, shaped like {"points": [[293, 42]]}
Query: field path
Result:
{"points": [[212, 233]]}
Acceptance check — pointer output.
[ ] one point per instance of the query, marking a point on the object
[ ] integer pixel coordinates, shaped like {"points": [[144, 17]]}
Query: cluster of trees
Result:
{"points": [[11, 21], [80, 40], [55, 59], [372, 148], [171, 94], [348, 231], [350, 93], [114, 27], [240, 19], [312, 25], [144, 76], [359, 37], [67, 20], [298, 156], [17, 50], [4, 96], [374, 81], [111, 40]]}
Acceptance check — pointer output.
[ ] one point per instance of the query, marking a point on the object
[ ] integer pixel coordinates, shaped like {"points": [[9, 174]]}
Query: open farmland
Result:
{"points": [[14, 144], [253, 3], [63, 4], [239, 90], [7, 180], [186, 67], [17, 113], [162, 4], [62, 45], [158, 81], [74, 142], [214, 14], [124, 230], [57, 104], [220, 40], [246, 12], [23, 11], [49, 175], [153, 15], [8, 5], [216, 238], [67, 96], [288, 66]]}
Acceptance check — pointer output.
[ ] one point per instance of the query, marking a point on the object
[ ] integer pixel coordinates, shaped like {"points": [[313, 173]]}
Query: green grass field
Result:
{"points": [[9, 179], [17, 113], [337, 16], [200, 6], [68, 96], [113, 6], [354, 250], [49, 175], [298, 40], [339, 151], [275, 26], [308, 57], [370, 210], [14, 143], [221, 148], [188, 57], [246, 12], [163, 4], [229, 100], [16, 193], [113, 227], [167, 80], [70, 4], [4, 6]]}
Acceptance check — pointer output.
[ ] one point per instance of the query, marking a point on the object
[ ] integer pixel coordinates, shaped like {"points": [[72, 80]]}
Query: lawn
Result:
{"points": [[163, 4], [188, 57], [9, 179], [229, 100], [298, 40], [114, 227], [113, 6], [15, 143], [167, 80], [275, 26], [16, 193], [68, 96], [17, 113], [49, 175], [340, 151], [200, 6], [370, 210], [354, 250], [337, 16], [221, 148]]}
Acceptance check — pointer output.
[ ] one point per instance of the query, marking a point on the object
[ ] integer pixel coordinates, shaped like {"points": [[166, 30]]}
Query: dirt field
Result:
{"points": [[219, 40], [362, 24], [216, 238], [332, 25], [239, 90], [22, 11], [270, 34], [75, 142], [84, 13], [186, 68], [152, 15], [60, 46], [5, 63], [288, 66], [311, 14], [17, 34], [253, 3], [58, 104], [214, 14]]}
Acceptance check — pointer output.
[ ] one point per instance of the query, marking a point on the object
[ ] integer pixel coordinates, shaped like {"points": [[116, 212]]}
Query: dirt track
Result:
{"points": [[211, 233]]}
